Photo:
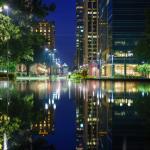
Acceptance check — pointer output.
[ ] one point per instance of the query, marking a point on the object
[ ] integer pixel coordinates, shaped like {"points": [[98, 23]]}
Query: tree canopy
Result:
{"points": [[7, 29], [16, 36]]}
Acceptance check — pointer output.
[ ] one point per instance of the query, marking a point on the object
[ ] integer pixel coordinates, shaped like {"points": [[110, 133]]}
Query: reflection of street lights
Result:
{"points": [[5, 7]]}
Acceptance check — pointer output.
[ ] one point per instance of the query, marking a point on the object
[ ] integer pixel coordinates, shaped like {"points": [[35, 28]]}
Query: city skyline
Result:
{"points": [[65, 19], [74, 75]]}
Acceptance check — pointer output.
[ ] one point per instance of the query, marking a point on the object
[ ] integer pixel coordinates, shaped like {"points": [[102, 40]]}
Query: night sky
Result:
{"points": [[64, 17]]}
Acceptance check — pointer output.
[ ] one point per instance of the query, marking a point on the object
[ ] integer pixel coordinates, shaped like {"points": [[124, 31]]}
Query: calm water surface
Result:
{"points": [[69, 115]]}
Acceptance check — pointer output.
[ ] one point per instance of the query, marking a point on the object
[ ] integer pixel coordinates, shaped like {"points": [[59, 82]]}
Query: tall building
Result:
{"points": [[121, 27], [79, 32], [91, 31], [48, 30]]}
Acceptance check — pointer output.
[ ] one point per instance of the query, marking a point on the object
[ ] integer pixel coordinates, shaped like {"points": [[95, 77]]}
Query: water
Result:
{"points": [[69, 115]]}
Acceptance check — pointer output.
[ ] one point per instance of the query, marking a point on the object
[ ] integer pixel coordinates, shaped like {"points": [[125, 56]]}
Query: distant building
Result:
{"points": [[121, 27], [48, 30], [79, 32]]}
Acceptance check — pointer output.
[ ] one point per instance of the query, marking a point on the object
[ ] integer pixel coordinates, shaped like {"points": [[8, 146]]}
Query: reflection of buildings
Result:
{"points": [[45, 98], [79, 119], [107, 116], [4, 118], [46, 125], [92, 117], [128, 130], [121, 27], [91, 114]]}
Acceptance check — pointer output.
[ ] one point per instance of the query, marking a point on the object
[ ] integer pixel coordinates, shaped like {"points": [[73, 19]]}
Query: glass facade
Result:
{"points": [[121, 27], [79, 32], [91, 36]]}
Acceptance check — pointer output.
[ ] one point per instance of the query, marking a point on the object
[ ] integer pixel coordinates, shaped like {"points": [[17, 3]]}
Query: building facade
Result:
{"points": [[48, 30], [91, 31], [121, 27], [79, 33]]}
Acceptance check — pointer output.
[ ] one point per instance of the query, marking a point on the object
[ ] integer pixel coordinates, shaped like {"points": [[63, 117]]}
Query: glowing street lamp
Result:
{"points": [[6, 7], [1, 9], [46, 49], [112, 62]]}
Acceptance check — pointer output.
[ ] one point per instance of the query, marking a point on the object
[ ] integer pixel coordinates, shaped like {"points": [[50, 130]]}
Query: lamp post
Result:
{"points": [[5, 7], [50, 54], [46, 52], [125, 66], [51, 58], [112, 61]]}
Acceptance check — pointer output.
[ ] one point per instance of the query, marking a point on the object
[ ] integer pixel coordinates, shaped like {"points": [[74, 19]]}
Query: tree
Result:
{"points": [[35, 7], [143, 69], [7, 31], [24, 16]]}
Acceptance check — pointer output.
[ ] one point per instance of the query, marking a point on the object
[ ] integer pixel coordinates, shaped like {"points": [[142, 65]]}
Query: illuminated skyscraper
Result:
{"points": [[48, 30], [91, 31], [79, 32], [121, 27]]}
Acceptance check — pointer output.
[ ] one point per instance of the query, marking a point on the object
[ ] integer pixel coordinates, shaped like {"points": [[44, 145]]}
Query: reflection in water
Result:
{"points": [[109, 115], [93, 117]]}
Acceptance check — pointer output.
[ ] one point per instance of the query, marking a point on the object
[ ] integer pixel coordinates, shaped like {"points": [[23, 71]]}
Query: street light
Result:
{"points": [[46, 49], [6, 7], [1, 10], [112, 63]]}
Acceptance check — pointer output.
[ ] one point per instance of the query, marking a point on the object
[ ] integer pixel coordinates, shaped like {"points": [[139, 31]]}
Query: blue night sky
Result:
{"points": [[64, 17]]}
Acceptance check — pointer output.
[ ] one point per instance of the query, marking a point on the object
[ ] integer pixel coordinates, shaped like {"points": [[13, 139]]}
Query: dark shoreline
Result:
{"points": [[120, 79]]}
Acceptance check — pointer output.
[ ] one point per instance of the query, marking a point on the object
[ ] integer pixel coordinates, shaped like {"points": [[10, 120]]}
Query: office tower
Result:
{"points": [[48, 30], [79, 32], [121, 27], [91, 31]]}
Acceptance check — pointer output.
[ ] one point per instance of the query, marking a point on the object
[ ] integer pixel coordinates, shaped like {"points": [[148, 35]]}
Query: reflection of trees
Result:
{"points": [[8, 126], [143, 87], [16, 115], [143, 108]]}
